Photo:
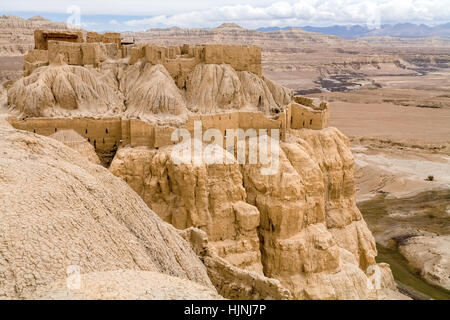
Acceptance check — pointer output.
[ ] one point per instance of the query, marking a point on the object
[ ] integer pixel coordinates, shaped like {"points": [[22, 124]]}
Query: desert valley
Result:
{"points": [[87, 176]]}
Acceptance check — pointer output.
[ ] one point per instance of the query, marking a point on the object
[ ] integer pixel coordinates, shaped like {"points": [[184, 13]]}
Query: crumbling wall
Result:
{"points": [[180, 61], [81, 54], [301, 116], [36, 55], [240, 57], [90, 53], [71, 52], [34, 59], [107, 37], [180, 69], [71, 45], [135, 53], [314, 103], [108, 133], [238, 120], [155, 54], [109, 50], [140, 133], [42, 37], [104, 134]]}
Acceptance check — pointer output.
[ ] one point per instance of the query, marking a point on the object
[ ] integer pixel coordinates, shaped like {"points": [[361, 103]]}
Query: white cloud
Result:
{"points": [[305, 12], [248, 13]]}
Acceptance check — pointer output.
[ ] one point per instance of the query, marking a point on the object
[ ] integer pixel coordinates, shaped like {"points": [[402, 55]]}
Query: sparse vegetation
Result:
{"points": [[430, 178]]}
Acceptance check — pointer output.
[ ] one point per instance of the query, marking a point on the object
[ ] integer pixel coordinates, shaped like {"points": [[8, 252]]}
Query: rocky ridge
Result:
{"points": [[61, 210], [300, 226]]}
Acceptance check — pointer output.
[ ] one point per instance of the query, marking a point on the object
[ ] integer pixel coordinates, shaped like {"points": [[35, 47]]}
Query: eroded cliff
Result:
{"points": [[141, 90], [300, 225]]}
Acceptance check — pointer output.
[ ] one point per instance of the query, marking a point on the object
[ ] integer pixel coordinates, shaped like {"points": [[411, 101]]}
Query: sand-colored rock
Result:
{"points": [[282, 95], [60, 210], [430, 255], [63, 90], [239, 284], [127, 285], [208, 197], [257, 94], [232, 282], [73, 140], [150, 90], [213, 88], [313, 237], [294, 234]]}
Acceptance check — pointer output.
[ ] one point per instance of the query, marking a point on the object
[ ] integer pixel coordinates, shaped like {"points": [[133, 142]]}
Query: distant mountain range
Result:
{"points": [[403, 30]]}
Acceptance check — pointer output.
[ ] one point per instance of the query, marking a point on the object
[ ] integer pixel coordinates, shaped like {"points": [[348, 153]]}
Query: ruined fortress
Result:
{"points": [[106, 134], [295, 233]]}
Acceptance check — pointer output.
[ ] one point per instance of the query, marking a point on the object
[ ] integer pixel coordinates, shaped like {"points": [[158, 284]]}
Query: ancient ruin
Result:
{"points": [[180, 63], [294, 234]]}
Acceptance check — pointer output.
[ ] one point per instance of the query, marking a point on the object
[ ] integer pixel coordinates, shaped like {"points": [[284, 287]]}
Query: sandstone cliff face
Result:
{"points": [[208, 197], [59, 210], [312, 237], [233, 282]]}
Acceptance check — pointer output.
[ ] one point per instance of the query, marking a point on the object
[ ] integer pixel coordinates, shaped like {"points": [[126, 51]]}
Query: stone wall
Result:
{"points": [[73, 48], [301, 116], [78, 54], [314, 103], [34, 59], [108, 133], [180, 61], [108, 37], [241, 58], [103, 134], [42, 37]]}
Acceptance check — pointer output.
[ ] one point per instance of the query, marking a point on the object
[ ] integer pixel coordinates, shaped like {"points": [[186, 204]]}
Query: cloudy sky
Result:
{"points": [[144, 14]]}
